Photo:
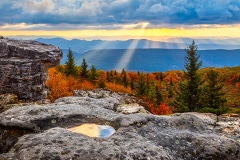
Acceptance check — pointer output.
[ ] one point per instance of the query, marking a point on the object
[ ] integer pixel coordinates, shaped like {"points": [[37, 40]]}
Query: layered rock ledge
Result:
{"points": [[23, 67], [137, 136]]}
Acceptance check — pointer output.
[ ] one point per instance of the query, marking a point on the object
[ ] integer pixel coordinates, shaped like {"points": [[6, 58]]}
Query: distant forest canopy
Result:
{"points": [[152, 60]]}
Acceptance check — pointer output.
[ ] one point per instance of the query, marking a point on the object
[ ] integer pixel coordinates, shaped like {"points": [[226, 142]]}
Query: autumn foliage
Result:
{"points": [[61, 85], [118, 88], [161, 109]]}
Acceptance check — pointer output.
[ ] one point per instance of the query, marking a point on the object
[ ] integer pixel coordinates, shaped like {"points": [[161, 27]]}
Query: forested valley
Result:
{"points": [[215, 90]]}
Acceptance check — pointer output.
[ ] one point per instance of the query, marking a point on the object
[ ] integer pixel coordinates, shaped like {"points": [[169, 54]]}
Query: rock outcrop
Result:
{"points": [[137, 136], [23, 67]]}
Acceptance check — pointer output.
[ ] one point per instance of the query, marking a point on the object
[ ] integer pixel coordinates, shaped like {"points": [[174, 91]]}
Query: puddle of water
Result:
{"points": [[93, 130]]}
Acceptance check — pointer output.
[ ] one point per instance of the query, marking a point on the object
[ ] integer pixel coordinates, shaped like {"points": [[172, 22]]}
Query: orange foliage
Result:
{"points": [[57, 84], [151, 77], [233, 79], [238, 85], [102, 75], [118, 88], [162, 109], [172, 75], [84, 85], [60, 85], [133, 76]]}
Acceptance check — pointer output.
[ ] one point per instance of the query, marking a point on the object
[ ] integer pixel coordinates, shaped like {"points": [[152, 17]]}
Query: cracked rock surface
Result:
{"points": [[137, 136], [23, 67]]}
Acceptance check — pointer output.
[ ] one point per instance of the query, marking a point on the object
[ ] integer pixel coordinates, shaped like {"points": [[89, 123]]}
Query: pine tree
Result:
{"points": [[212, 98], [84, 70], [70, 64], [124, 78], [170, 91], [171, 82], [154, 94], [132, 84], [101, 83], [108, 77], [92, 74], [141, 85], [159, 95], [187, 98], [161, 76]]}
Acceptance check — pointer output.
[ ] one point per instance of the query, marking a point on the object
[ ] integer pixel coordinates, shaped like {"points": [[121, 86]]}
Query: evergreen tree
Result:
{"points": [[101, 83], [171, 82], [132, 84], [84, 70], [141, 86], [170, 91], [151, 94], [159, 95], [161, 76], [108, 77], [93, 74], [124, 78], [212, 98], [70, 64], [187, 98], [147, 84], [154, 94]]}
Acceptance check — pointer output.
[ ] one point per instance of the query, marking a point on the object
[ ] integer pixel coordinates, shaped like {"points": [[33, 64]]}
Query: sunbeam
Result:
{"points": [[147, 44], [127, 56], [123, 63], [92, 55]]}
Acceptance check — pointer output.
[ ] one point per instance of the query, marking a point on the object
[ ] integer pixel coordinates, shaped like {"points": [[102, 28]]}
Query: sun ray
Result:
{"points": [[127, 56], [102, 45]]}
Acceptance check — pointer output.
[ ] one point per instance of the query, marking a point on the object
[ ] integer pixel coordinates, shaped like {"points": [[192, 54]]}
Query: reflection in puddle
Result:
{"points": [[93, 130]]}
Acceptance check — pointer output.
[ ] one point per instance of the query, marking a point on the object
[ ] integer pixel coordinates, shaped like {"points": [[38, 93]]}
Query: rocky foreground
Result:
{"points": [[40, 131]]}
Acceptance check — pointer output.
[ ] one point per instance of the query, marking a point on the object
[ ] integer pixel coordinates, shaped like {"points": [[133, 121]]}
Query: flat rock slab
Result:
{"points": [[137, 136]]}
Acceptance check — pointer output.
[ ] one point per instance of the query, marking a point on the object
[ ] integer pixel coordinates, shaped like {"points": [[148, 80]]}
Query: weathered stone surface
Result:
{"points": [[112, 100], [138, 136], [23, 67]]}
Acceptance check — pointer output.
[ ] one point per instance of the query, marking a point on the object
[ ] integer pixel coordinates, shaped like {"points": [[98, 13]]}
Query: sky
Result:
{"points": [[120, 19]]}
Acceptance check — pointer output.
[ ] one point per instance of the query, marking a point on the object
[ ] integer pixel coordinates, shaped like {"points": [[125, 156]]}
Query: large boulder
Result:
{"points": [[23, 67], [45, 133]]}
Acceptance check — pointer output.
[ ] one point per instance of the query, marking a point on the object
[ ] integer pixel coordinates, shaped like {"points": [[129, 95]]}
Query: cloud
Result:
{"points": [[158, 8], [46, 6], [112, 12]]}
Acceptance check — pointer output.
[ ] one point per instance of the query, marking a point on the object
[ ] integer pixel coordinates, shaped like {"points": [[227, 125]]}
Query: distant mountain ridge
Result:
{"points": [[148, 56], [150, 60], [84, 45]]}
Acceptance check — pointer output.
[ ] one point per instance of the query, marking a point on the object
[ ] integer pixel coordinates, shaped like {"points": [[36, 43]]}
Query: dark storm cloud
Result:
{"points": [[104, 12]]}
